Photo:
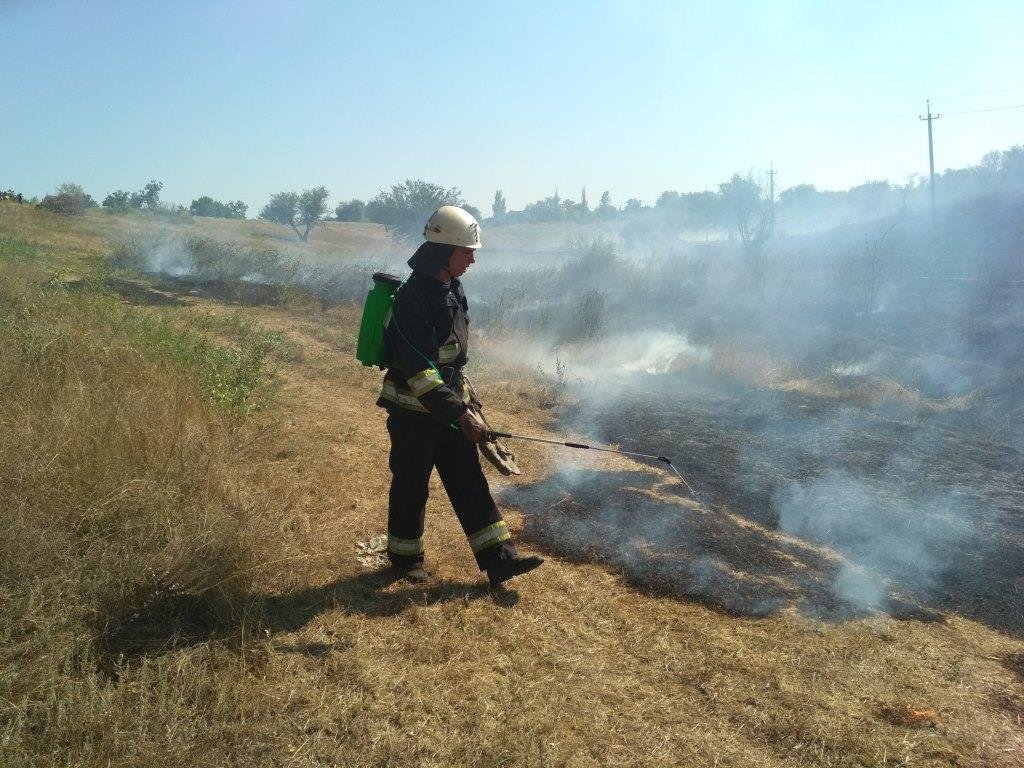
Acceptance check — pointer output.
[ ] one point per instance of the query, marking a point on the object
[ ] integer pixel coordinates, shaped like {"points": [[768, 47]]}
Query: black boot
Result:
{"points": [[503, 570], [414, 574], [409, 569]]}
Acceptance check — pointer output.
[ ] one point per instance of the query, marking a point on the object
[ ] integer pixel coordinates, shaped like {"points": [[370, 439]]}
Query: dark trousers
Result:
{"points": [[417, 446]]}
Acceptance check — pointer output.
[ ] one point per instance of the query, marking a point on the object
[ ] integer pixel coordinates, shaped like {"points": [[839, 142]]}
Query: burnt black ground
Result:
{"points": [[946, 489]]}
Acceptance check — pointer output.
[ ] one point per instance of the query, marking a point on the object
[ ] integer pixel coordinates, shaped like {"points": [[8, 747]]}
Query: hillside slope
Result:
{"points": [[331, 662]]}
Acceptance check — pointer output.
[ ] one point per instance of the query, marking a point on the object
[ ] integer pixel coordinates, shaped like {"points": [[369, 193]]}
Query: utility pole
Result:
{"points": [[931, 153], [771, 198]]}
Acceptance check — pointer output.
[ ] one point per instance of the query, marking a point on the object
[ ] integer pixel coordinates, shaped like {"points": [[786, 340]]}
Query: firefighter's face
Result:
{"points": [[460, 260]]}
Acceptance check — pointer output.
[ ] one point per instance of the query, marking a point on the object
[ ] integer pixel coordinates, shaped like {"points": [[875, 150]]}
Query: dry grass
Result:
{"points": [[115, 464], [759, 368]]}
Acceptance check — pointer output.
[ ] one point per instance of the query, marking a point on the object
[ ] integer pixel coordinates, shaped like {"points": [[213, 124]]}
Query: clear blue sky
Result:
{"points": [[242, 99]]}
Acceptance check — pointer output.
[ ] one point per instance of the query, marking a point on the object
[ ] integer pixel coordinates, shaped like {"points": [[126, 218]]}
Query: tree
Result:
{"points": [[297, 210], [405, 208], [548, 209], [571, 209], [703, 209], [747, 208], [70, 188], [282, 208], [207, 206], [633, 206], [148, 197], [605, 209], [906, 189], [353, 210], [69, 199], [800, 196], [312, 208], [119, 201], [122, 201], [584, 207], [499, 208], [747, 204], [871, 198]]}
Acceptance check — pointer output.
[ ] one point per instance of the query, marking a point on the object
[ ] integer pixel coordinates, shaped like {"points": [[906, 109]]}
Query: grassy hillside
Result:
{"points": [[185, 482]]}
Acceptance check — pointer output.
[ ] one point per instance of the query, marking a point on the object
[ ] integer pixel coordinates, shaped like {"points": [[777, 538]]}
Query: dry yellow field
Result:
{"points": [[312, 659]]}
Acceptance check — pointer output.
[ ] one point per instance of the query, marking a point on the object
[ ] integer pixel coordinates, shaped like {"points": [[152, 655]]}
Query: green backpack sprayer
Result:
{"points": [[377, 312], [370, 348]]}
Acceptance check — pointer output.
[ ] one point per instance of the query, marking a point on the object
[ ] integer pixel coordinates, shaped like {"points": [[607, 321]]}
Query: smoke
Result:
{"points": [[658, 352], [657, 541], [887, 540], [624, 355], [847, 400], [248, 270], [167, 257]]}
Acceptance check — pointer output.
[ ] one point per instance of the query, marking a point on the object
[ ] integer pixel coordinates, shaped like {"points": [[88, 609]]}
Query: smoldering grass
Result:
{"points": [[886, 536], [250, 272]]}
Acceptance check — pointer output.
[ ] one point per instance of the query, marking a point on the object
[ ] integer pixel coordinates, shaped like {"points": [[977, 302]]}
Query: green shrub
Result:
{"points": [[69, 199], [67, 205]]}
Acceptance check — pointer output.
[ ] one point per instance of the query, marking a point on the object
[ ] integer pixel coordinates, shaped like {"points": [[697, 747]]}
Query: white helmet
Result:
{"points": [[452, 225]]}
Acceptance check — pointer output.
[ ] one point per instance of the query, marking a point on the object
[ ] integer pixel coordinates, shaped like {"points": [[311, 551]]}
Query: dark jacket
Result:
{"points": [[427, 340]]}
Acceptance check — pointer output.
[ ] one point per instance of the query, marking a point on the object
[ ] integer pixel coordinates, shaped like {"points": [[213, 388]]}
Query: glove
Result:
{"points": [[501, 457], [494, 450]]}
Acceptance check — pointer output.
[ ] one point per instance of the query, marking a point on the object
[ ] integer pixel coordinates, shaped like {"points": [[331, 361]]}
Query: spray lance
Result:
{"points": [[371, 350], [492, 434]]}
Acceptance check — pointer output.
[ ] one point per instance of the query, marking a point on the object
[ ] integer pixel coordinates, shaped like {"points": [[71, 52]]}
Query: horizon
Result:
{"points": [[189, 96]]}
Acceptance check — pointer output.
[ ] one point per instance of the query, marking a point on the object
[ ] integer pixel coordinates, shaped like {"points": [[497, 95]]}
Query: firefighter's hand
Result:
{"points": [[473, 427]]}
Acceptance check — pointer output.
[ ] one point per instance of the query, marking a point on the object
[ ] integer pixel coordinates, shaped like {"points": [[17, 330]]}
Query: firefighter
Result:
{"points": [[431, 420]]}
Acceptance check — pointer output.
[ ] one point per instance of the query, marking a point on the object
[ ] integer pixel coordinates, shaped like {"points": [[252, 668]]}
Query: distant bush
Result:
{"points": [[246, 272], [207, 206], [147, 198], [353, 210], [67, 205], [69, 200], [118, 201], [591, 262], [589, 316]]}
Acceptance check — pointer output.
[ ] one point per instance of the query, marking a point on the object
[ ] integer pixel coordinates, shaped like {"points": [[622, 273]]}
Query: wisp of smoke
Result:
{"points": [[883, 537]]}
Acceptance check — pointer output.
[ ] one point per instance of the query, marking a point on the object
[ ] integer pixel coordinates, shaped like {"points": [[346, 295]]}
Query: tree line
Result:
{"points": [[741, 205]]}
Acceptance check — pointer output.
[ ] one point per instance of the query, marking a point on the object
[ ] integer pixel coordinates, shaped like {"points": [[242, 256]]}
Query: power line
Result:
{"points": [[992, 109], [875, 138], [980, 93]]}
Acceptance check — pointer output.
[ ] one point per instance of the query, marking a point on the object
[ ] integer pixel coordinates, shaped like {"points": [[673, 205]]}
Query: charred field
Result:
{"points": [[833, 511], [848, 410]]}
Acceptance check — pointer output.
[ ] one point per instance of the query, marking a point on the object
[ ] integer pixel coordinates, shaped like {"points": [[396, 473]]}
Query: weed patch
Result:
{"points": [[234, 376], [120, 476]]}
